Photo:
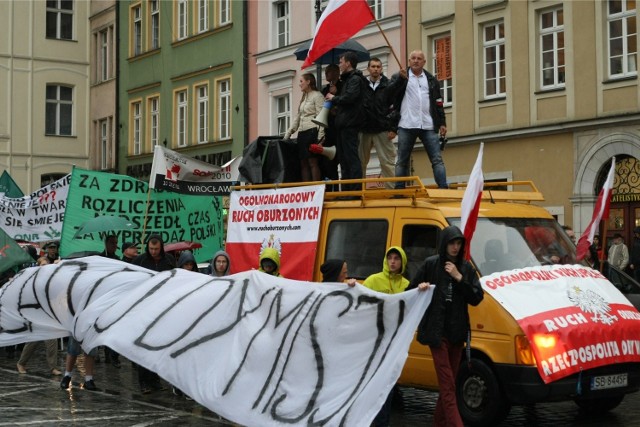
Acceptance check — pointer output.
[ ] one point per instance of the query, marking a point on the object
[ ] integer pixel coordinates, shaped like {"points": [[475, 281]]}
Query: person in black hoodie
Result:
{"points": [[376, 131], [445, 324], [349, 117], [154, 258]]}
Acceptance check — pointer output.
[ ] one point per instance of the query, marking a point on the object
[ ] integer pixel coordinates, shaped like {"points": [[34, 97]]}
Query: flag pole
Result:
{"points": [[604, 244], [144, 220], [388, 43]]}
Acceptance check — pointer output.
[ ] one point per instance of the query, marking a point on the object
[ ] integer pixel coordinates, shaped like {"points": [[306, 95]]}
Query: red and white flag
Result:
{"points": [[471, 203], [340, 20], [600, 212]]}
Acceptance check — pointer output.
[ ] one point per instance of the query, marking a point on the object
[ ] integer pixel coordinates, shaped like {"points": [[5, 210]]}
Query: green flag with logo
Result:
{"points": [[11, 254], [9, 187]]}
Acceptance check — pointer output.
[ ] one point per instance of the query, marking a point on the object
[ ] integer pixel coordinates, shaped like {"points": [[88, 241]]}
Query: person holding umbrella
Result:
{"points": [[308, 132]]}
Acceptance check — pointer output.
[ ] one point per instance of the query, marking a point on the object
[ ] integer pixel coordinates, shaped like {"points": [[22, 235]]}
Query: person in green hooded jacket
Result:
{"points": [[270, 262], [390, 280]]}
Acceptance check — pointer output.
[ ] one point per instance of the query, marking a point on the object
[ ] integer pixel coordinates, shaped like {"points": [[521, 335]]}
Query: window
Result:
{"points": [[136, 113], [203, 113], [376, 8], [224, 109], [181, 118], [552, 48], [182, 19], [59, 110], [441, 54], [283, 113], [154, 123], [203, 15], [282, 23], [224, 16], [419, 242], [60, 19], [621, 20], [494, 60], [104, 144], [137, 30], [154, 7], [362, 243], [103, 40]]}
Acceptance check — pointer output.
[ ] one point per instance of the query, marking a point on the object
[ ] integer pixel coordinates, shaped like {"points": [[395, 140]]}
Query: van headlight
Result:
{"points": [[524, 355]]}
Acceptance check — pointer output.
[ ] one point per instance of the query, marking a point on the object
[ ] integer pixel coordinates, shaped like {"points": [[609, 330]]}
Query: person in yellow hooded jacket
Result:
{"points": [[390, 280], [270, 262]]}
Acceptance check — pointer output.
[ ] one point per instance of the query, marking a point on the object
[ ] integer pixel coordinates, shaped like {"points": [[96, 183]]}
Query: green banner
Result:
{"points": [[11, 254], [9, 187], [175, 217]]}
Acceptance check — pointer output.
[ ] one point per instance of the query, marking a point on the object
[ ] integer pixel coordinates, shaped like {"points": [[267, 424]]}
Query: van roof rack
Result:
{"points": [[373, 188]]}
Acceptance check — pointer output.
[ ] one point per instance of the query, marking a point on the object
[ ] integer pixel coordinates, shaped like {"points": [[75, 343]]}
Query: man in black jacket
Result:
{"points": [[416, 96], [349, 117], [154, 258], [376, 131], [445, 325], [634, 257]]}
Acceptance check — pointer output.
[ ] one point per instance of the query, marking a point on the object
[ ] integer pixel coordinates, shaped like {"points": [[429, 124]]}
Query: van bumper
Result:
{"points": [[523, 385]]}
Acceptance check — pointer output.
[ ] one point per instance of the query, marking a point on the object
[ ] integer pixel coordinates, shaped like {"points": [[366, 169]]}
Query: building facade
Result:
{"points": [[181, 81], [550, 87], [277, 28], [44, 70], [103, 113]]}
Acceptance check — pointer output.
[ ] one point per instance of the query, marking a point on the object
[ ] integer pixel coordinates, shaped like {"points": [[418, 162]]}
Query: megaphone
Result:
{"points": [[322, 119], [329, 152]]}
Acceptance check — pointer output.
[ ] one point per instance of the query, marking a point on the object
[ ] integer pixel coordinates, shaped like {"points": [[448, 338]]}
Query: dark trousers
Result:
{"points": [[147, 378], [350, 166], [446, 359]]}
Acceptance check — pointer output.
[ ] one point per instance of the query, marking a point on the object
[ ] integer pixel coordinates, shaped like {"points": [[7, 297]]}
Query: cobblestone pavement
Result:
{"points": [[35, 398]]}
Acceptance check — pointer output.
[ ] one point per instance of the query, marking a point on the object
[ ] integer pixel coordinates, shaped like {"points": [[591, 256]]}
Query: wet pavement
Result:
{"points": [[35, 398]]}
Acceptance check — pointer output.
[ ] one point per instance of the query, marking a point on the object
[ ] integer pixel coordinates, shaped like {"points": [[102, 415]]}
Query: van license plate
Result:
{"points": [[609, 381]]}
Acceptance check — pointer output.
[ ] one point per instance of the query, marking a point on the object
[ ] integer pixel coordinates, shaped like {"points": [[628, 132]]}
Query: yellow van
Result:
{"points": [[359, 226]]}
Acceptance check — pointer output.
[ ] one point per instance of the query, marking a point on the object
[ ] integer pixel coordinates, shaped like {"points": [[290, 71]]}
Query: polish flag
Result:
{"points": [[471, 203], [600, 212], [340, 20]]}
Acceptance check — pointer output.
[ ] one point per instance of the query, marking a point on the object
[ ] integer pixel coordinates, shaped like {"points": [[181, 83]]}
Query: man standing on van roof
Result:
{"points": [[445, 325], [416, 94]]}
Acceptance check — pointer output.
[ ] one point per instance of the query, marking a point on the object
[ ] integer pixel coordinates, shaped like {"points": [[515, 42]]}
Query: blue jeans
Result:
{"points": [[406, 141]]}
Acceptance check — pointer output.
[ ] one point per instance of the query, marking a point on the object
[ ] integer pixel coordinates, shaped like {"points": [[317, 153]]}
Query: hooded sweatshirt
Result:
{"points": [[272, 254], [185, 257], [447, 319], [386, 281], [166, 261], [212, 266]]}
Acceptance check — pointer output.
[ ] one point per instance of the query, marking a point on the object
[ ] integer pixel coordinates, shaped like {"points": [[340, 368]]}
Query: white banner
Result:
{"points": [[176, 172], [286, 219], [37, 217], [256, 349], [574, 318]]}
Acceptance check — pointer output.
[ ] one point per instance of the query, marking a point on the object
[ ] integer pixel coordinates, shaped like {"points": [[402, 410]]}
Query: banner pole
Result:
{"points": [[603, 242], [144, 220]]}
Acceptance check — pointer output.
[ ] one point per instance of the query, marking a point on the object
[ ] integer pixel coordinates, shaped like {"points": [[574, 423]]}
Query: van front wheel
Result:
{"points": [[480, 398]]}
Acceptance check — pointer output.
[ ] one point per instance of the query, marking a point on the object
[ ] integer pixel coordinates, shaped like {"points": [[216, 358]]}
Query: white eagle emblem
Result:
{"points": [[271, 242], [590, 302]]}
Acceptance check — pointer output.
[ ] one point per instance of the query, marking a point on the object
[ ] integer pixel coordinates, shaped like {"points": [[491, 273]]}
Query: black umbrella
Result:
{"points": [[333, 56]]}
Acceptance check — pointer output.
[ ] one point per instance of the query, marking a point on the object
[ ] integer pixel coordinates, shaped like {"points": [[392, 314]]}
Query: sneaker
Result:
{"points": [[64, 384], [116, 363], [90, 385], [56, 371], [176, 391], [21, 369]]}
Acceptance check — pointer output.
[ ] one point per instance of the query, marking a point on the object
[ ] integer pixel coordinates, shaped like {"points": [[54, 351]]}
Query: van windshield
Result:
{"points": [[508, 243]]}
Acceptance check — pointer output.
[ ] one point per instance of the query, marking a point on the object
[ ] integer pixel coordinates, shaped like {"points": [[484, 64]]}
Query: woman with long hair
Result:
{"points": [[308, 132]]}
